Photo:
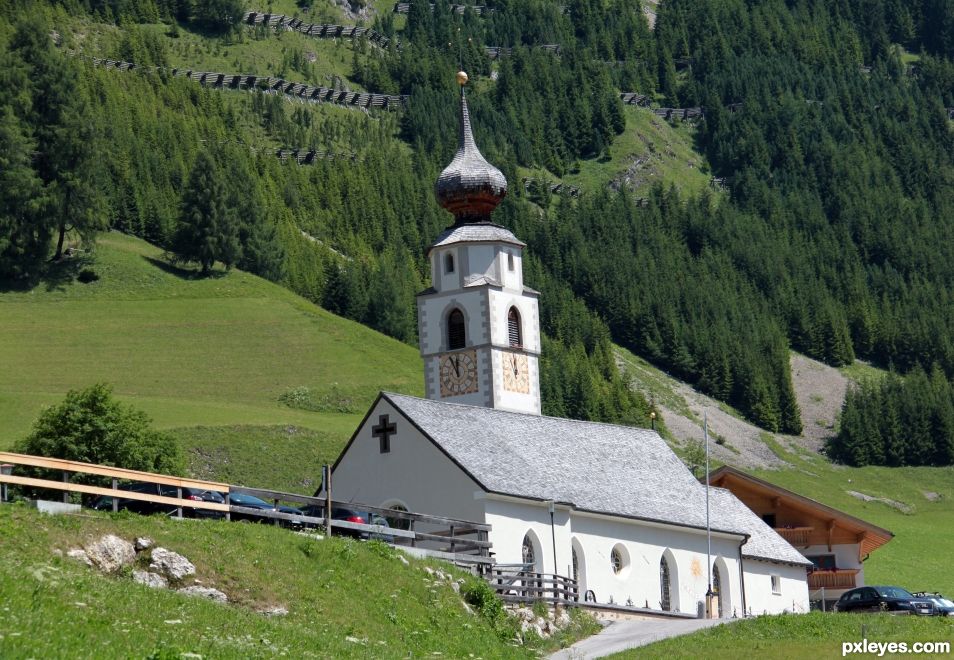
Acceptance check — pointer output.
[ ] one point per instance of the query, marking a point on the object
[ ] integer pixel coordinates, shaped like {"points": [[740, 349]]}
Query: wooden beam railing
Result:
{"points": [[836, 578], [462, 539], [519, 585], [69, 468], [797, 536]]}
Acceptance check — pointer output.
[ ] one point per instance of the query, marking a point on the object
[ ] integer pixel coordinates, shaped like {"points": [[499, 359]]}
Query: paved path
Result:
{"points": [[621, 635]]}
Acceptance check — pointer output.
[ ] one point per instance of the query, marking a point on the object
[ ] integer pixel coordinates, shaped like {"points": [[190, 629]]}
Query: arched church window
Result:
{"points": [[399, 523], [510, 261], [448, 263], [576, 566], [527, 551], [717, 588], [456, 334], [513, 327], [665, 601]]}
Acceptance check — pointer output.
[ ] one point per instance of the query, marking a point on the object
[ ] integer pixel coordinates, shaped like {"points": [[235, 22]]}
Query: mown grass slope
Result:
{"points": [[188, 350], [816, 635], [344, 598]]}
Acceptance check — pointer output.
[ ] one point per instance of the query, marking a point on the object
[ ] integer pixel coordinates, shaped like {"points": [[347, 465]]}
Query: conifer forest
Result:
{"points": [[829, 122]]}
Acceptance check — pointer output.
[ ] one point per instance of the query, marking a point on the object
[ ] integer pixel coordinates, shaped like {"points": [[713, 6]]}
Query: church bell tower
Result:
{"points": [[479, 326]]}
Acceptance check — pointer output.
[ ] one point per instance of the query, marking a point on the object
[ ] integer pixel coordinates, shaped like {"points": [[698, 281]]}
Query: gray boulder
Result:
{"points": [[153, 580], [111, 553], [79, 555], [171, 564], [143, 543], [205, 592]]}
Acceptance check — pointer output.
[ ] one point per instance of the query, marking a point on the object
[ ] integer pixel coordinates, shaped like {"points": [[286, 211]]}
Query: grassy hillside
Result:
{"points": [[189, 351], [811, 636], [344, 598]]}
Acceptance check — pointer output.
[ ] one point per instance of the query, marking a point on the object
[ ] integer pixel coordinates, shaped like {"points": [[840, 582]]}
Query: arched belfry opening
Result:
{"points": [[514, 328], [456, 330]]}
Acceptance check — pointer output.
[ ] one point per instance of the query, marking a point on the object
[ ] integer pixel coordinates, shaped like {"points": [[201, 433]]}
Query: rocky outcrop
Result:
{"points": [[150, 579], [111, 553], [205, 592], [171, 564]]}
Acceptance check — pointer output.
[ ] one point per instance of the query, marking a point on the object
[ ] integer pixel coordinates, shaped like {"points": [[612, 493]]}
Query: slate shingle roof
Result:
{"points": [[476, 233], [764, 542], [601, 468]]}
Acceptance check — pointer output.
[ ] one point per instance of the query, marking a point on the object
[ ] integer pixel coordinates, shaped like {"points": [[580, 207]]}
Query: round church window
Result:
{"points": [[616, 560]]}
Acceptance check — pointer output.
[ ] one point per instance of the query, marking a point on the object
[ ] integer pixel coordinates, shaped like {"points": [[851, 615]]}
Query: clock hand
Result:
{"points": [[457, 366]]}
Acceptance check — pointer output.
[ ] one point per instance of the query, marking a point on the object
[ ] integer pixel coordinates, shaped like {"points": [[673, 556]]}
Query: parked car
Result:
{"points": [[942, 606], [252, 502], [350, 515], [884, 599], [105, 502]]}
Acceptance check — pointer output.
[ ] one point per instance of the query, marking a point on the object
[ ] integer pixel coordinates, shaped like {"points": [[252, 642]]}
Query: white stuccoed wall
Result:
{"points": [[414, 473], [793, 596]]}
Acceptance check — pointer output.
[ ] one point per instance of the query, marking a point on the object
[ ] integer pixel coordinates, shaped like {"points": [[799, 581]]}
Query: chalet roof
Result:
{"points": [[476, 233], [764, 542], [599, 468], [874, 536]]}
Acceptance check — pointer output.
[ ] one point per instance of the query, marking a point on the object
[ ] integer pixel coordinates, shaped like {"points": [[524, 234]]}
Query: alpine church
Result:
{"points": [[611, 505]]}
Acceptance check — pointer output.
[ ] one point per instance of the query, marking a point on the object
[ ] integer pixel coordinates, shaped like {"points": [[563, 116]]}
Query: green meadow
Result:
{"points": [[190, 351]]}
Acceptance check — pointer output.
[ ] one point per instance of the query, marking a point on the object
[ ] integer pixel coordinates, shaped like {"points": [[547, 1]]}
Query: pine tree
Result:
{"points": [[24, 230], [208, 229]]}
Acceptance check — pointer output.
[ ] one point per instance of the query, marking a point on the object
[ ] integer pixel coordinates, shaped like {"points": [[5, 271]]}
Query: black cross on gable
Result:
{"points": [[384, 430]]}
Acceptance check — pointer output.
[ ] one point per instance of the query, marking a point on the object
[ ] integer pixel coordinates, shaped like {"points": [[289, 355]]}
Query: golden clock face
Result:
{"points": [[458, 373], [516, 372]]}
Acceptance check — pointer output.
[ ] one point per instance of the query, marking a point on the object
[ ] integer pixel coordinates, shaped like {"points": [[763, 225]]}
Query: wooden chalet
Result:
{"points": [[836, 543]]}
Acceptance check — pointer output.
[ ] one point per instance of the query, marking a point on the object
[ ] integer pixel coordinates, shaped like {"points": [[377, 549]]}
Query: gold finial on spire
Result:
{"points": [[461, 78]]}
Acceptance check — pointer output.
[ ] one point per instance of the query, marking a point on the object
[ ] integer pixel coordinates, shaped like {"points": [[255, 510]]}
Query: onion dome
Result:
{"points": [[470, 187]]}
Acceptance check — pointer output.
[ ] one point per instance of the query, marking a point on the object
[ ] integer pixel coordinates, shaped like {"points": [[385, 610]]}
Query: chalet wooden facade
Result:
{"points": [[836, 543]]}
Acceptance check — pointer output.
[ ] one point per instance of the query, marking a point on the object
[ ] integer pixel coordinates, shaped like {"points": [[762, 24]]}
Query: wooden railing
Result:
{"points": [[436, 536], [835, 578], [518, 584], [797, 536], [69, 468]]}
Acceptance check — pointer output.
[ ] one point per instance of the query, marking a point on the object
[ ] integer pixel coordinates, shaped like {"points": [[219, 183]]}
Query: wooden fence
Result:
{"points": [[518, 583], [461, 541], [405, 8], [269, 84], [70, 468], [317, 30]]}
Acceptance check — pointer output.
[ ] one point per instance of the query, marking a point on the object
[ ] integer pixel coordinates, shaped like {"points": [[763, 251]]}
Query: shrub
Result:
{"points": [[92, 427]]}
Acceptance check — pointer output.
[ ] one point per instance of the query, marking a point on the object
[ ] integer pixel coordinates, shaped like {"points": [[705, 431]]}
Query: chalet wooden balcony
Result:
{"points": [[835, 578], [797, 536]]}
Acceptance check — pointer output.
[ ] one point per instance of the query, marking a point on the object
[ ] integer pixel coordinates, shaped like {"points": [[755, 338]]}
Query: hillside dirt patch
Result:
{"points": [[819, 389]]}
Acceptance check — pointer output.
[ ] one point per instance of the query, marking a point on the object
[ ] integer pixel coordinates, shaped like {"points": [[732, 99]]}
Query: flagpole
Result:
{"points": [[705, 431]]}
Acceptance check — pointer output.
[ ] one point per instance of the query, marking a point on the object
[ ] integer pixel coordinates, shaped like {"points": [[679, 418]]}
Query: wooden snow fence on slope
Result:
{"points": [[317, 30], [270, 85], [461, 541]]}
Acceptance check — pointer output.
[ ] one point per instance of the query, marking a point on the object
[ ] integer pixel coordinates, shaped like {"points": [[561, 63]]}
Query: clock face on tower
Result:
{"points": [[516, 373], [458, 373]]}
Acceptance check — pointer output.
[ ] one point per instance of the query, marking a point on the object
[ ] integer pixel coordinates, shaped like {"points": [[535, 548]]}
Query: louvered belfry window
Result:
{"points": [[456, 334], [513, 327]]}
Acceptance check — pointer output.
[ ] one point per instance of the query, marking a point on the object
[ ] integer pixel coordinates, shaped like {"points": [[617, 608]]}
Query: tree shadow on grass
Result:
{"points": [[184, 273], [52, 275]]}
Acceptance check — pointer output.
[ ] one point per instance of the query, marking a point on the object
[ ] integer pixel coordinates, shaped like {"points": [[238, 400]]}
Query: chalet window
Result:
{"points": [[448, 263], [510, 262], [823, 562], [665, 602], [513, 327], [456, 333], [776, 585]]}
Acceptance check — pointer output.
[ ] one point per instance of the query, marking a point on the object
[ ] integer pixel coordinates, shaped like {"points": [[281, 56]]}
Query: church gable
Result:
{"points": [[390, 461]]}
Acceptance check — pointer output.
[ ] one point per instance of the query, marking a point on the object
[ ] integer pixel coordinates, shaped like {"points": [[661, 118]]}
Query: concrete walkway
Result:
{"points": [[621, 635]]}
